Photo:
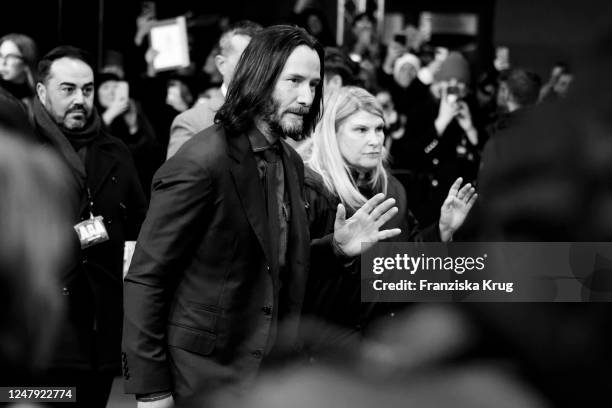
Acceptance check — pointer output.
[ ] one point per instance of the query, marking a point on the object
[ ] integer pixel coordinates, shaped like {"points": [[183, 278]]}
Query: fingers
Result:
{"points": [[386, 216], [471, 201], [340, 216], [372, 203], [461, 194], [455, 187], [386, 234], [382, 208]]}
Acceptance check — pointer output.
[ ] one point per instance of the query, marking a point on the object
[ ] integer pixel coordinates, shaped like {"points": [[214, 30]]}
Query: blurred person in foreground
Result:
{"points": [[18, 58], [231, 46], [107, 206], [34, 242], [345, 170], [222, 259]]}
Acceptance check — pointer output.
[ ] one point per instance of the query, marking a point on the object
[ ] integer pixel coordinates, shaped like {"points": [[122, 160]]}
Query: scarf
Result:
{"points": [[70, 144]]}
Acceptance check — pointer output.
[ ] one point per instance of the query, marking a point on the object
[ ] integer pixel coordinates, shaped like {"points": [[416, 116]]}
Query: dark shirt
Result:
{"points": [[269, 164]]}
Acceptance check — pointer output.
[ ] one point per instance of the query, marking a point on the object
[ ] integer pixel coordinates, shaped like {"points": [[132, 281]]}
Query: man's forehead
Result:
{"points": [[303, 61], [71, 70]]}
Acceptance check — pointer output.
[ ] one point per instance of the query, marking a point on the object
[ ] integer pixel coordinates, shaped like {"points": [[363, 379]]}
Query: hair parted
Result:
{"points": [[63, 51], [326, 158], [257, 73]]}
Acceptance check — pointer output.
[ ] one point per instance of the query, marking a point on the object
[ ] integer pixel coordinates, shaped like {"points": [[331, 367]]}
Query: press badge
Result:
{"points": [[91, 231]]}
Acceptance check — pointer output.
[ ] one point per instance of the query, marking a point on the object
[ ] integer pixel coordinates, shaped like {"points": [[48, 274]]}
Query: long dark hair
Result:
{"points": [[258, 71]]}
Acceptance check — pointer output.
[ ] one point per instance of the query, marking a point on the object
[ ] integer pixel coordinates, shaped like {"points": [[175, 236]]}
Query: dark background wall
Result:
{"points": [[538, 32]]}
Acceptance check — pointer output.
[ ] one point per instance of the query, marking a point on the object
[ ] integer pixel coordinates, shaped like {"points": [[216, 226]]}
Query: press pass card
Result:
{"points": [[91, 231]]}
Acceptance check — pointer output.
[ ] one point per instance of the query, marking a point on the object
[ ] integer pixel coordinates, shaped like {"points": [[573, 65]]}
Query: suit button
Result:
{"points": [[65, 292], [257, 354], [114, 179], [84, 260], [434, 183], [267, 310], [268, 268]]}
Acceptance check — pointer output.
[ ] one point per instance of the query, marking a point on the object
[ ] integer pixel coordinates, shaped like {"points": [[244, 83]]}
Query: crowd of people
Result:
{"points": [[250, 208]]}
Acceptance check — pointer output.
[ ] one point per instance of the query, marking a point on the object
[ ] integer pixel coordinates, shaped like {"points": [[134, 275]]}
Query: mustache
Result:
{"points": [[77, 108], [299, 111]]}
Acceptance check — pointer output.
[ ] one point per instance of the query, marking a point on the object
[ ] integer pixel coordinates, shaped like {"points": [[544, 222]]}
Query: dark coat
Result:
{"points": [[92, 284], [202, 297], [334, 288], [433, 162]]}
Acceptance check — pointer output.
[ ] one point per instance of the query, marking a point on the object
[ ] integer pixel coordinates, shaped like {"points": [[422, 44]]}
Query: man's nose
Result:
{"points": [[79, 97], [305, 95]]}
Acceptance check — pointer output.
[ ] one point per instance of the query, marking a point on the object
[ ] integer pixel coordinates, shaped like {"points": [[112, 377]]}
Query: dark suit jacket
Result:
{"points": [[92, 282], [202, 300]]}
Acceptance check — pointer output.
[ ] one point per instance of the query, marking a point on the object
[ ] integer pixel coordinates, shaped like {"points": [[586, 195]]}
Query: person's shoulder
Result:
{"points": [[205, 148], [313, 181], [199, 116], [395, 189], [111, 144]]}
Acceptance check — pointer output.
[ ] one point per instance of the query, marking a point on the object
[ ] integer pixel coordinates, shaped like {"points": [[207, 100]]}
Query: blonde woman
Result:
{"points": [[345, 168]]}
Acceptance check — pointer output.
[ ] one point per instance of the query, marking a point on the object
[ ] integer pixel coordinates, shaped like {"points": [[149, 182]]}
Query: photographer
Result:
{"points": [[124, 118], [443, 131]]}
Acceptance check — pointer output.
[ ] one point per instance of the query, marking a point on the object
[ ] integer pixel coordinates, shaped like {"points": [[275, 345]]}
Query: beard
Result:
{"points": [[71, 123], [285, 127]]}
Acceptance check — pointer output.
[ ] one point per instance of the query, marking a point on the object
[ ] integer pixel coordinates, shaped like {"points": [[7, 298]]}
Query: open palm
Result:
{"points": [[364, 226], [455, 208]]}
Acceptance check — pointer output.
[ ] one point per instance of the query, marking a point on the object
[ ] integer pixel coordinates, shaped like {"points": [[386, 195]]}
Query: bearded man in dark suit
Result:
{"points": [[222, 259]]}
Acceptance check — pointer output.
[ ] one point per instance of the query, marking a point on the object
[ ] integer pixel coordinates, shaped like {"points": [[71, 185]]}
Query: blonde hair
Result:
{"points": [[325, 156]]}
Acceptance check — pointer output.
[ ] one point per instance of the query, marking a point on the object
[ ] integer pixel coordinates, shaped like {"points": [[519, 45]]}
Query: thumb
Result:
{"points": [[340, 216]]}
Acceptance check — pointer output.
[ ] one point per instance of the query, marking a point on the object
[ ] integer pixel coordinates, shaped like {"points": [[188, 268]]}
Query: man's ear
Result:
{"points": [[41, 91], [219, 63]]}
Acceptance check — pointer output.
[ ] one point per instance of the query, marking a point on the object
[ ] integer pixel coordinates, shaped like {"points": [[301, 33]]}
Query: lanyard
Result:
{"points": [[90, 201]]}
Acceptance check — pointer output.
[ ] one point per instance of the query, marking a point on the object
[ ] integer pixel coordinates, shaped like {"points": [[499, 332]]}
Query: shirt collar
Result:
{"points": [[258, 141]]}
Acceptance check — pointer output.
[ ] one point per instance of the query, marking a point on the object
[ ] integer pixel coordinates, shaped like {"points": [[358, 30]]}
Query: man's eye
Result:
{"points": [[67, 89]]}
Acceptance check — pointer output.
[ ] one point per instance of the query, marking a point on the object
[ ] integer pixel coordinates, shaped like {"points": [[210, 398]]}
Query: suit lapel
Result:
{"points": [[248, 186], [299, 241]]}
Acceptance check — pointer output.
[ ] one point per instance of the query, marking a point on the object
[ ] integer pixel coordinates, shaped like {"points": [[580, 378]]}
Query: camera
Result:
{"points": [[453, 93], [453, 90]]}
